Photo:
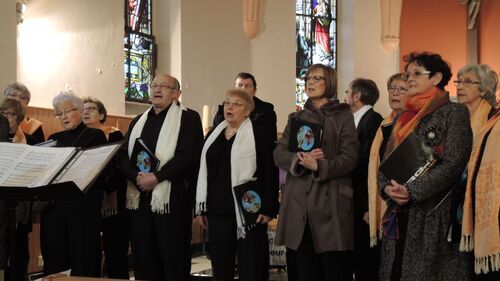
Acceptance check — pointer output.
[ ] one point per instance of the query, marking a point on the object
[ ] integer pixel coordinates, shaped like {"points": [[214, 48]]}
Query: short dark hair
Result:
{"points": [[246, 75], [368, 90], [431, 62], [101, 109], [330, 79]]}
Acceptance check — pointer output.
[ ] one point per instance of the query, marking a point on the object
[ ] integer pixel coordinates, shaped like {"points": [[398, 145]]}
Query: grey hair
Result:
{"points": [[487, 77], [17, 86], [67, 95]]}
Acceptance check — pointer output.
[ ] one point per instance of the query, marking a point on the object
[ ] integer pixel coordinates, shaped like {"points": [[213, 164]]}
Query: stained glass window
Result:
{"points": [[139, 50], [316, 34]]}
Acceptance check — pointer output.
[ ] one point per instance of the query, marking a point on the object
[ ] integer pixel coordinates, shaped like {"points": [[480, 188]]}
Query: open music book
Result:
{"points": [[31, 166]]}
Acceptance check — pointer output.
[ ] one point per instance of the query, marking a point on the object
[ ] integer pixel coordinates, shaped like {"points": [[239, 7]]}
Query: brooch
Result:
{"points": [[433, 136]]}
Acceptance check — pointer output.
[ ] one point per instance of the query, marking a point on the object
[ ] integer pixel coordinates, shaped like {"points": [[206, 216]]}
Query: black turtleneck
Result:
{"points": [[81, 136]]}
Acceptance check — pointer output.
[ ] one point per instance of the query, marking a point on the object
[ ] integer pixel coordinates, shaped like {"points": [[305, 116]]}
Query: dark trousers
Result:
{"points": [[252, 251], [70, 237], [115, 243], [22, 252], [366, 259], [328, 266], [158, 242]]}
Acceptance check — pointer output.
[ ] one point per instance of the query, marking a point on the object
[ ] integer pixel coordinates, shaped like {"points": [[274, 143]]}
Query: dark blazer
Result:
{"points": [[367, 128], [262, 116], [180, 170]]}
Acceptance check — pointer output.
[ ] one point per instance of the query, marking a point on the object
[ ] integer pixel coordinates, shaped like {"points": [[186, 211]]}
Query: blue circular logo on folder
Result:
{"points": [[251, 201], [144, 162], [305, 138]]}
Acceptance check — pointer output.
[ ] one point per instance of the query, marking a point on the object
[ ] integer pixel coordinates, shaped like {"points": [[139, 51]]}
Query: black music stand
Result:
{"points": [[43, 193]]}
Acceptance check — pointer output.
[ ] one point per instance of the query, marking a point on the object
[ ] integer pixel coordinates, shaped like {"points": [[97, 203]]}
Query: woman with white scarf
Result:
{"points": [[235, 152]]}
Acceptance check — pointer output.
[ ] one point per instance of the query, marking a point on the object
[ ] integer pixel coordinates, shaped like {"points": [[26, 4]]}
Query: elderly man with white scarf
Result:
{"points": [[160, 201]]}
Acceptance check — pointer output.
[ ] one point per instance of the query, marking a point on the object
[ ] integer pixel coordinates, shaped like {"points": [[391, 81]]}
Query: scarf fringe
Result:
{"points": [[158, 207], [241, 232], [487, 264], [132, 203], [200, 208], [467, 243], [108, 212], [373, 241]]}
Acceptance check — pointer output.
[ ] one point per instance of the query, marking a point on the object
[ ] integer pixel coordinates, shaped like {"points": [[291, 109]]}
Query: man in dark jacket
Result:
{"points": [[361, 96], [263, 115], [159, 200]]}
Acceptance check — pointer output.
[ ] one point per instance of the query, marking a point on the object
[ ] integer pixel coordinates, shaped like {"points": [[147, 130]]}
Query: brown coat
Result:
{"points": [[323, 198]]}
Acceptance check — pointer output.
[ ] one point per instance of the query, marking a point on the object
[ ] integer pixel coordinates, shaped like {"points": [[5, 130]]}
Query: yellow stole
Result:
{"points": [[376, 206], [29, 126], [480, 225]]}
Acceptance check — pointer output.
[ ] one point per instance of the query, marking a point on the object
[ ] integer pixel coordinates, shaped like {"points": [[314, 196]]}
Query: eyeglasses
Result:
{"points": [[466, 83], [65, 112], [18, 96], [89, 109], [416, 74], [8, 114], [163, 87], [233, 103], [401, 90], [315, 79]]}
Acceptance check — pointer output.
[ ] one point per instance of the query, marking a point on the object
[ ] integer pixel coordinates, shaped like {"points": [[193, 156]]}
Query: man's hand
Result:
{"points": [[262, 219], [146, 181], [202, 221]]}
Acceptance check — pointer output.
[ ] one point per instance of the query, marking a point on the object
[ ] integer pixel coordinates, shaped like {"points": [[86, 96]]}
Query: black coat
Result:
{"points": [[4, 129], [181, 169], [262, 116], [367, 128]]}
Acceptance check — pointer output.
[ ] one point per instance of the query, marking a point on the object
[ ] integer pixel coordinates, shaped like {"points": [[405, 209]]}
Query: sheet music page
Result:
{"points": [[88, 164], [30, 166]]}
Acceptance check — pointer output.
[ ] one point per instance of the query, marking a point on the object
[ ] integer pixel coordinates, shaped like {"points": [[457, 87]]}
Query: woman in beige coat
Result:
{"points": [[315, 218]]}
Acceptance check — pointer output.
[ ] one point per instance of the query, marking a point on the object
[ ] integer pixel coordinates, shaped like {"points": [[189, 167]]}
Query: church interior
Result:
{"points": [[51, 45]]}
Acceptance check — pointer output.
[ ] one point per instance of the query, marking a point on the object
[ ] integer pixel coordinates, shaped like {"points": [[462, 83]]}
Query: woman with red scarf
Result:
{"points": [[416, 244]]}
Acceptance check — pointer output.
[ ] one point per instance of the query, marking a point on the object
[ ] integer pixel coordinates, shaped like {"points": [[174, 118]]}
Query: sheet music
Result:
{"points": [[30, 166], [87, 165]]}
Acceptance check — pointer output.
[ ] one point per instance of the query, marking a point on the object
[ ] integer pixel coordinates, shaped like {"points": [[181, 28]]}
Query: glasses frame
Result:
{"points": [[9, 114], [392, 90], [466, 83], [315, 78], [417, 74], [236, 104], [65, 113], [163, 87]]}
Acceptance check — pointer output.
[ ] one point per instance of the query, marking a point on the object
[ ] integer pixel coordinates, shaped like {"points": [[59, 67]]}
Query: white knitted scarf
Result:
{"points": [[165, 150], [243, 167]]}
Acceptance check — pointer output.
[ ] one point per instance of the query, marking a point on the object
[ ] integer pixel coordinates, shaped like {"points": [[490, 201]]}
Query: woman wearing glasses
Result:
{"points": [[476, 88], [316, 213], [70, 227], [236, 152], [29, 125], [114, 224], [416, 241], [397, 88], [15, 111]]}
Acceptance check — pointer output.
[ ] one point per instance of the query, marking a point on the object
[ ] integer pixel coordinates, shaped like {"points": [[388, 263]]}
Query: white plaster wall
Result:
{"points": [[214, 50], [273, 57], [74, 43], [8, 48], [360, 53]]}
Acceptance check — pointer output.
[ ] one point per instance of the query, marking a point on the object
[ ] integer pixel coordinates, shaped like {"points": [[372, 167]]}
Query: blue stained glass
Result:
{"points": [[139, 44], [316, 30]]}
